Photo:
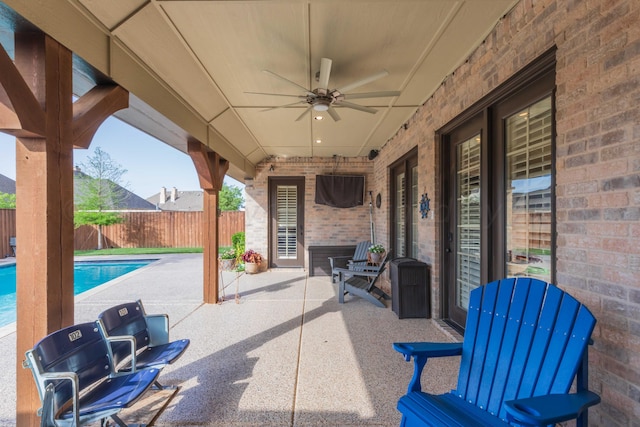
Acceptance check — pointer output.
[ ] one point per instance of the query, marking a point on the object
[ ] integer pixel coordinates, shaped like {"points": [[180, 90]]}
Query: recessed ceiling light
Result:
{"points": [[318, 141], [319, 118]]}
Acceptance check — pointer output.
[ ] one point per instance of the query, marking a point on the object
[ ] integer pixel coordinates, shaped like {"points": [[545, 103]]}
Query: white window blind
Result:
{"points": [[287, 221], [468, 221], [400, 249]]}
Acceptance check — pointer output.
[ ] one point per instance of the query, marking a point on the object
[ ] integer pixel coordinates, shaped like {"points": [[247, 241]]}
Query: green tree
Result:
{"points": [[99, 191], [7, 201], [230, 198]]}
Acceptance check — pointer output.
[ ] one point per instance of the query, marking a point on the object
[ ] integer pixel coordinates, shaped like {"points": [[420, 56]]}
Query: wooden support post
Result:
{"points": [[37, 107], [211, 169]]}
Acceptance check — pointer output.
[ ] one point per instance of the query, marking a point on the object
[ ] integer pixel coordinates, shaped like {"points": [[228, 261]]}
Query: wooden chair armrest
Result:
{"points": [[339, 261], [549, 409], [345, 257], [428, 349], [421, 352]]}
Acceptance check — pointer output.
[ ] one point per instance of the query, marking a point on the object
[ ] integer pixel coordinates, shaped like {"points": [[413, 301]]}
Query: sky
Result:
{"points": [[150, 163]]}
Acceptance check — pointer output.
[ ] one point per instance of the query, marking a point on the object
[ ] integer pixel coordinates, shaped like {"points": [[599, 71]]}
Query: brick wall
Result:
{"points": [[597, 171], [324, 225], [597, 167]]}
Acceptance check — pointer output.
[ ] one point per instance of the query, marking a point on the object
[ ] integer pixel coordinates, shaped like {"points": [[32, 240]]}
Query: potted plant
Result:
{"points": [[376, 253], [252, 261], [228, 259]]}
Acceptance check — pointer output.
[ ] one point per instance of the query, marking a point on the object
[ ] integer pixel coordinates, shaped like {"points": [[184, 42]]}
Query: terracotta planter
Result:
{"points": [[376, 257], [251, 267]]}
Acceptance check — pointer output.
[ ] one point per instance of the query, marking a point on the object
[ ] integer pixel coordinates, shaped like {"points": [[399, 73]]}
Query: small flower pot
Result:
{"points": [[375, 257], [251, 267]]}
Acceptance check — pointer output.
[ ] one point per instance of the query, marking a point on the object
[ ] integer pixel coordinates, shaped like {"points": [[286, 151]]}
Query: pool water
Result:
{"points": [[86, 275]]}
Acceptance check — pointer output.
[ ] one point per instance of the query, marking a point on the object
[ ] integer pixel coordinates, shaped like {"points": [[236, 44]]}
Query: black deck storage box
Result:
{"points": [[410, 288], [319, 261]]}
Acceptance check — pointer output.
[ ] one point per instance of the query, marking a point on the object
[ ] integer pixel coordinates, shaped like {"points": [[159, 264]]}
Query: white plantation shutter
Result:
{"points": [[286, 219], [468, 208], [400, 204]]}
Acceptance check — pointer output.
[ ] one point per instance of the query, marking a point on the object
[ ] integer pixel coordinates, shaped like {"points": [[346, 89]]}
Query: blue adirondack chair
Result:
{"points": [[525, 343]]}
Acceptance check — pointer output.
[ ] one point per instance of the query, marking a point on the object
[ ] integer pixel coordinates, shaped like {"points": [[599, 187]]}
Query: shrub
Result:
{"points": [[237, 239]]}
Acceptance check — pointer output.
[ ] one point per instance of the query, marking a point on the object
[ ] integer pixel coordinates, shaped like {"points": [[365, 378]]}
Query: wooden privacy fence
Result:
{"points": [[161, 229], [7, 230]]}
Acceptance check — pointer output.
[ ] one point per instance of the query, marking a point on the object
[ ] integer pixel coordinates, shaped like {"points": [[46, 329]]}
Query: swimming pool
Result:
{"points": [[87, 275]]}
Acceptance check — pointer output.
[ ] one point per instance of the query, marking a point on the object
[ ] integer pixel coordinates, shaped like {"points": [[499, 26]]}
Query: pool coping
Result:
{"points": [[11, 327]]}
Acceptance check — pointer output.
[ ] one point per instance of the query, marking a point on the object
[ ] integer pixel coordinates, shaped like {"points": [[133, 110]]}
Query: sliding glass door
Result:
{"points": [[498, 189]]}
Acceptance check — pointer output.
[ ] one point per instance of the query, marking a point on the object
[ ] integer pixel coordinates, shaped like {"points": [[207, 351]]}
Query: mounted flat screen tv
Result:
{"points": [[340, 191]]}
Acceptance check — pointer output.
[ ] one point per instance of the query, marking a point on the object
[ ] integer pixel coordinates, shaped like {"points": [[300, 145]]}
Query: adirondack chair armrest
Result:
{"points": [[340, 257], [421, 352], [428, 349], [345, 272], [549, 409], [339, 261]]}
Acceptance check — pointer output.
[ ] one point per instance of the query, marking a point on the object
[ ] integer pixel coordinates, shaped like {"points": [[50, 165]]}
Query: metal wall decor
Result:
{"points": [[424, 205]]}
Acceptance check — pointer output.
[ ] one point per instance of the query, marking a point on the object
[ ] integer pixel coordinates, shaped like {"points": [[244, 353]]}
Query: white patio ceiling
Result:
{"points": [[193, 63]]}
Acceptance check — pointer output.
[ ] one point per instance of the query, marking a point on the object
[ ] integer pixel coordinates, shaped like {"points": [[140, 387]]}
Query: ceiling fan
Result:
{"points": [[324, 99]]}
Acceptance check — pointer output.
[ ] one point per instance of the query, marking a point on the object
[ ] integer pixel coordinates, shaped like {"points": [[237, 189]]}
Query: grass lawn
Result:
{"points": [[139, 251]]}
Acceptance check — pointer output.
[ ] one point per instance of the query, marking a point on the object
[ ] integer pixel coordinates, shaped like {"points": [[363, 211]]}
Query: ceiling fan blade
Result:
{"points": [[276, 94], [371, 78], [283, 106], [334, 114], [284, 79], [304, 114], [372, 94], [358, 107], [325, 72]]}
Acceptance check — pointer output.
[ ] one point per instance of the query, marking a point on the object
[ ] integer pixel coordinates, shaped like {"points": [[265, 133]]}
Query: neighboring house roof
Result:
{"points": [[7, 185], [132, 201], [175, 200]]}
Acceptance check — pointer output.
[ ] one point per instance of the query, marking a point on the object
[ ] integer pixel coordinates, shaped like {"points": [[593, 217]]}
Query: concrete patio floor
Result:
{"points": [[285, 353]]}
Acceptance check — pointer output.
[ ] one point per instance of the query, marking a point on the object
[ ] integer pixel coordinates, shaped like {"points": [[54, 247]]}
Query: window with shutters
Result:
{"points": [[404, 206]]}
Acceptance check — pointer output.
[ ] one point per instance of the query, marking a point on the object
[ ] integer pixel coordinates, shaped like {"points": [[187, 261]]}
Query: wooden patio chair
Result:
{"points": [[362, 283], [355, 262], [524, 345]]}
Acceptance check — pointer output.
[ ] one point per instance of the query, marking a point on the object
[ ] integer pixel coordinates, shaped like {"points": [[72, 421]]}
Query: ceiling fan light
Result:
{"points": [[320, 106]]}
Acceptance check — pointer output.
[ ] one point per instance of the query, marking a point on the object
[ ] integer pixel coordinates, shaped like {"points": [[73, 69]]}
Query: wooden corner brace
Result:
{"points": [[22, 115], [211, 168]]}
